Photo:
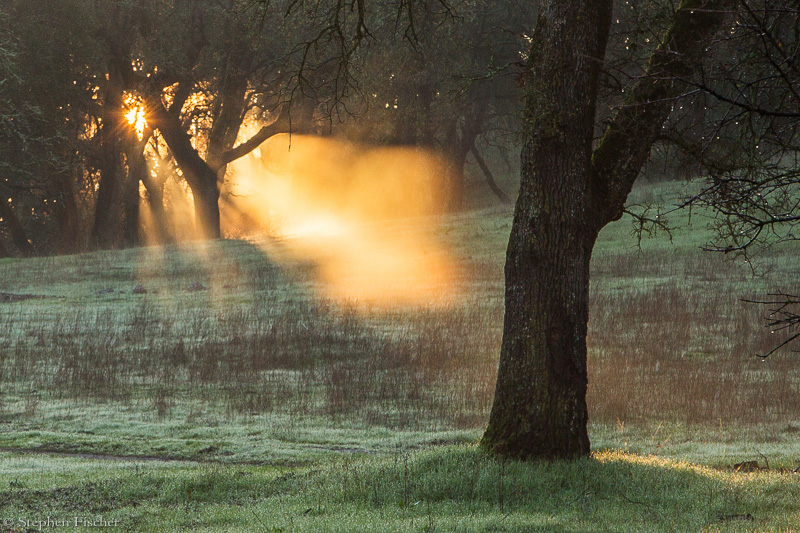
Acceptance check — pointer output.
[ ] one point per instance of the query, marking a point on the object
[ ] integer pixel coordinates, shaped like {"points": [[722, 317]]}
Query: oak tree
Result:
{"points": [[570, 189]]}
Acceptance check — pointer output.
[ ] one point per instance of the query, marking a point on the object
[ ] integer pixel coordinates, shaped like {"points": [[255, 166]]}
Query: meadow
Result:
{"points": [[221, 387]]}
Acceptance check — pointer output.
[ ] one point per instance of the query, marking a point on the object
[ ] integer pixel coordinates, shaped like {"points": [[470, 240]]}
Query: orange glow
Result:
{"points": [[361, 214], [135, 115], [323, 226], [177, 218]]}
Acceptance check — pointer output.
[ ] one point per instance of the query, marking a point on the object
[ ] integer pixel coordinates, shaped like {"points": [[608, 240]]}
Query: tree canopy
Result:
{"points": [[131, 100]]}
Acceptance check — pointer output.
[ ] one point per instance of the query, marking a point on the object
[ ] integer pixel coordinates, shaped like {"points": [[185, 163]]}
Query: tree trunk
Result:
{"points": [[206, 208], [104, 229], [456, 145], [107, 227], [198, 174], [155, 199], [567, 194], [540, 403], [137, 172], [67, 216], [487, 173], [540, 400], [18, 234], [457, 179]]}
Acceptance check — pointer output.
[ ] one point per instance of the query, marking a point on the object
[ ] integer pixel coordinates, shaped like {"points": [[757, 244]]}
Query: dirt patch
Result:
{"points": [[147, 458], [100, 456], [10, 297], [344, 449]]}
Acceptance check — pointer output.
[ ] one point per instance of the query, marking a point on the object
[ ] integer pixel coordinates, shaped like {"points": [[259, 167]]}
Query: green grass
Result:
{"points": [[452, 488], [283, 410]]}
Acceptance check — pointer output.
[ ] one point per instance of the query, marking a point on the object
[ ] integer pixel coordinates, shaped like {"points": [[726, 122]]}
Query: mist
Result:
{"points": [[360, 214]]}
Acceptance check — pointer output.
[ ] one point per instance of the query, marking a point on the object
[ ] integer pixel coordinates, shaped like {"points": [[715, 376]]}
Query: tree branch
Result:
{"points": [[283, 124], [626, 143], [503, 197]]}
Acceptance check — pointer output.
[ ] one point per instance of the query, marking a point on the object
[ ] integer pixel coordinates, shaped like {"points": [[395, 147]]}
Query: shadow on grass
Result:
{"points": [[611, 491], [452, 488]]}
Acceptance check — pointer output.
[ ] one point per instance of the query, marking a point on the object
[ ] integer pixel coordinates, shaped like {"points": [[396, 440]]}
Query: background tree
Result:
{"points": [[202, 68], [46, 90], [447, 82]]}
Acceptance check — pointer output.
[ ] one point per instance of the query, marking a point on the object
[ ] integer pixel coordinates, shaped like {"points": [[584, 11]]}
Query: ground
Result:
{"points": [[232, 391]]}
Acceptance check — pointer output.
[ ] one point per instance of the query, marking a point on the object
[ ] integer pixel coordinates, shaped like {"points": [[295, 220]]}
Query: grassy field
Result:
{"points": [[219, 388]]}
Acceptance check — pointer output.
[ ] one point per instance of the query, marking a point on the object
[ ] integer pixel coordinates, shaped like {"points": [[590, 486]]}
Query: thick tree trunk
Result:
{"points": [[198, 174], [567, 194], [104, 229], [206, 208], [540, 400], [540, 403]]}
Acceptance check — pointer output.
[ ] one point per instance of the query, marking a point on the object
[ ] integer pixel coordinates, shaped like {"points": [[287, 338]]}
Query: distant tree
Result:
{"points": [[43, 102], [120, 163], [236, 71], [16, 133], [201, 68], [447, 79]]}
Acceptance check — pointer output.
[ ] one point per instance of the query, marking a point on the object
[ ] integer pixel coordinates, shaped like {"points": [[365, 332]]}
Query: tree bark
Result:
{"points": [[567, 194], [104, 229], [540, 400], [198, 174]]}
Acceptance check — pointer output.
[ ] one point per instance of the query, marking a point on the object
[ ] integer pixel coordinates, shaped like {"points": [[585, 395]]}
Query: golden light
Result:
{"points": [[361, 214], [135, 115], [322, 227], [175, 217]]}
